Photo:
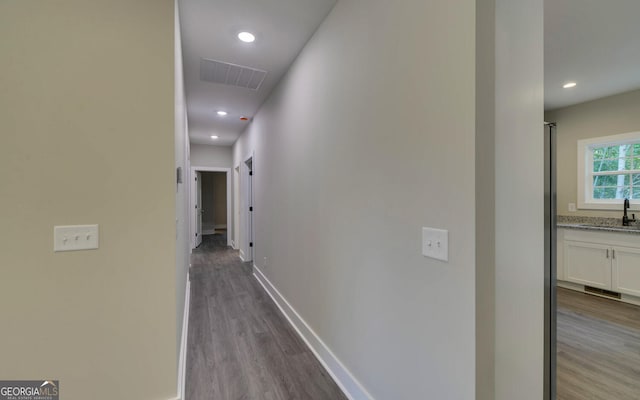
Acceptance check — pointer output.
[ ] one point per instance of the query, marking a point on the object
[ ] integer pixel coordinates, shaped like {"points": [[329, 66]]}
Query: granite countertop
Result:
{"points": [[596, 224]]}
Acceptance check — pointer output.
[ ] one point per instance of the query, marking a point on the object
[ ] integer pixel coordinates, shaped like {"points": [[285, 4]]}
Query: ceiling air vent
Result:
{"points": [[231, 74]]}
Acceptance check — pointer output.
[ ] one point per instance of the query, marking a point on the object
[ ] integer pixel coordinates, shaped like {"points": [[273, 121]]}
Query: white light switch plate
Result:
{"points": [[75, 237], [435, 243]]}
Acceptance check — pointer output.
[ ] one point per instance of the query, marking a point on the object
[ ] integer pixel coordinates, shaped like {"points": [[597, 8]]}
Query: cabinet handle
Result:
{"points": [[613, 253], [607, 253]]}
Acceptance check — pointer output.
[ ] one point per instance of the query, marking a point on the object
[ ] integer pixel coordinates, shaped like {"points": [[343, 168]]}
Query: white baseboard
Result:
{"points": [[182, 360], [340, 374]]}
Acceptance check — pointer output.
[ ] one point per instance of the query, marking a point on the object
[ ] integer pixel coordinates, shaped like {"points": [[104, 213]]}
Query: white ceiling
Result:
{"points": [[209, 30], [595, 43]]}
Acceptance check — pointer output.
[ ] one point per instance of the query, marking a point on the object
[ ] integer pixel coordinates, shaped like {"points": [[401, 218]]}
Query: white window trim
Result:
{"points": [[585, 163]]}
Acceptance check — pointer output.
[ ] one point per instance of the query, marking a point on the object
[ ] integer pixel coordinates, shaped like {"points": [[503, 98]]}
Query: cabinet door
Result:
{"points": [[587, 264], [626, 270]]}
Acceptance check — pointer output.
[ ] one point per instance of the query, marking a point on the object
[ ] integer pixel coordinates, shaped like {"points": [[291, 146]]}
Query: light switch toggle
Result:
{"points": [[435, 243], [75, 237]]}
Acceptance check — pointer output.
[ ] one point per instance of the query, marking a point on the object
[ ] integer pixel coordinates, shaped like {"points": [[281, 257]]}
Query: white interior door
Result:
{"points": [[246, 215], [251, 244], [199, 210], [236, 207]]}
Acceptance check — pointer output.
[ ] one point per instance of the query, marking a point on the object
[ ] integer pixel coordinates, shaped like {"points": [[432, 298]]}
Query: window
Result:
{"points": [[609, 171]]}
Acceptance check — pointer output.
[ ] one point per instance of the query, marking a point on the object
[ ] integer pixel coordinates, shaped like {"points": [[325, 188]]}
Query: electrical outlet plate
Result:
{"points": [[435, 243], [75, 237], [572, 207]]}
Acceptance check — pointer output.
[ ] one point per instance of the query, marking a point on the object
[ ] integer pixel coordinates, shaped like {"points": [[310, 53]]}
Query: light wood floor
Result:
{"points": [[598, 348], [240, 347]]}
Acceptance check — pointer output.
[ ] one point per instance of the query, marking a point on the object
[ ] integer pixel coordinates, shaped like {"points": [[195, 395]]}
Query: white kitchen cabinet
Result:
{"points": [[600, 259], [626, 270], [588, 264]]}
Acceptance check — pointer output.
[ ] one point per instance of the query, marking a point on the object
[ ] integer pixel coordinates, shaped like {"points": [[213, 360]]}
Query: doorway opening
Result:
{"points": [[593, 315], [210, 204], [591, 93]]}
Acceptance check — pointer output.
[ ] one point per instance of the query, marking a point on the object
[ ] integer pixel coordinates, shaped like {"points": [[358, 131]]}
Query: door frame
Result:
{"points": [[236, 207], [192, 202], [247, 231], [197, 210], [550, 261]]}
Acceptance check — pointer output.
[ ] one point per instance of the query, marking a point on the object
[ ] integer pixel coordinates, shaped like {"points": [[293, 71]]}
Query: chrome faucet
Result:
{"points": [[625, 218]]}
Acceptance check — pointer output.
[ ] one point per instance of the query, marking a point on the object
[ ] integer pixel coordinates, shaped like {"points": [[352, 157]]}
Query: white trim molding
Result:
{"points": [[182, 360], [340, 374]]}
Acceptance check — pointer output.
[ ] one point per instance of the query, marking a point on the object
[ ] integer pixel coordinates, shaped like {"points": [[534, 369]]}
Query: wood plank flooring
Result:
{"points": [[240, 347], [598, 348]]}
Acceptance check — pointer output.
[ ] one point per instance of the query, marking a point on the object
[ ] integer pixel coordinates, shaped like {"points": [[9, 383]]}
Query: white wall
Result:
{"points": [[182, 190], [519, 200], [203, 155], [485, 200], [603, 117], [371, 137], [87, 89]]}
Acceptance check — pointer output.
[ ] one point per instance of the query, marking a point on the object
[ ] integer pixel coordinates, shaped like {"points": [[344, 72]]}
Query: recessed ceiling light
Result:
{"points": [[222, 113], [569, 85], [246, 37], [214, 137]]}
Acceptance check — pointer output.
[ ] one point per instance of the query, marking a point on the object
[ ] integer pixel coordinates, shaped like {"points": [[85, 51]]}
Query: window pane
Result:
{"points": [[636, 149], [605, 165], [628, 163], [635, 190], [608, 192], [623, 193], [614, 186], [598, 193], [611, 180], [600, 153], [618, 193]]}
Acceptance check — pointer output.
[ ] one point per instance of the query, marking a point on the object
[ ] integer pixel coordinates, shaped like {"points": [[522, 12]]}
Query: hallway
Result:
{"points": [[240, 346]]}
